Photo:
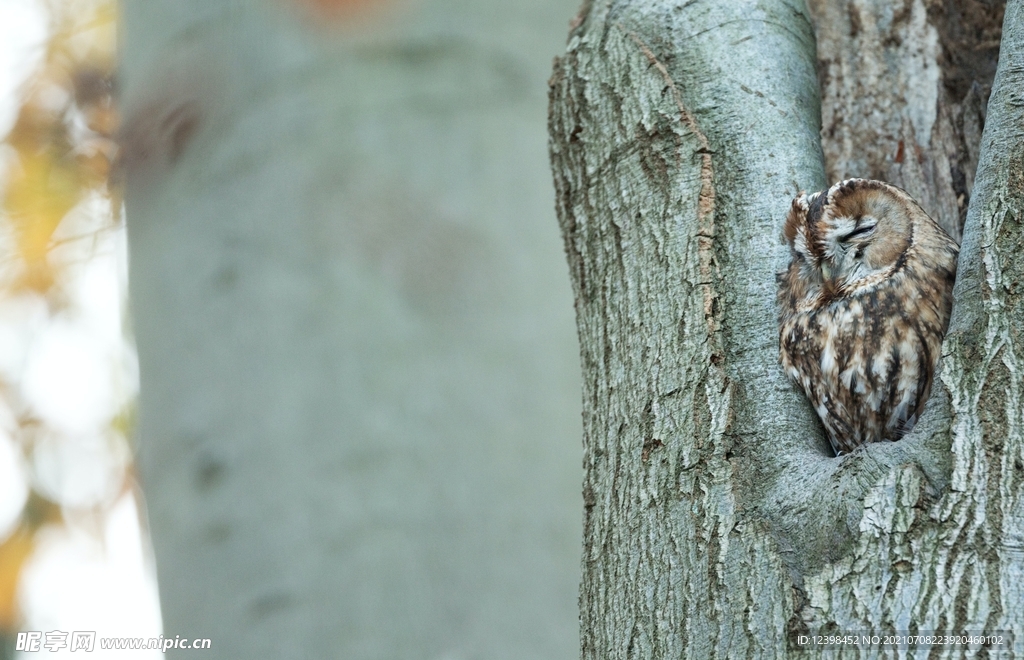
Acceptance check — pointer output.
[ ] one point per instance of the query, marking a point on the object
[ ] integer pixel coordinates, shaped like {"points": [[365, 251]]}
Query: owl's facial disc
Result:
{"points": [[846, 241]]}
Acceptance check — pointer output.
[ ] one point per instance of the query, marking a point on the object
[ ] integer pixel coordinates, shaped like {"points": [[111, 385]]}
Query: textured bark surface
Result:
{"points": [[981, 542], [359, 388], [904, 87], [717, 522]]}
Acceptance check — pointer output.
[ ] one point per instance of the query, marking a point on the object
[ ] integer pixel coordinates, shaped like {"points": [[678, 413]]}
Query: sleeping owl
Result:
{"points": [[863, 307]]}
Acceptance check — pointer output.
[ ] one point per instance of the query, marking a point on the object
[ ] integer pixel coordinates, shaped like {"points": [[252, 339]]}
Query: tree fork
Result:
{"points": [[716, 520]]}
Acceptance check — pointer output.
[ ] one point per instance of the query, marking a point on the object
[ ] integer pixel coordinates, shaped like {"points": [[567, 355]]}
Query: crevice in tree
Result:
{"points": [[871, 99]]}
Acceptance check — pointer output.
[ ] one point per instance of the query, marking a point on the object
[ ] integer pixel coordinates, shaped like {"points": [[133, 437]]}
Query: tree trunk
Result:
{"points": [[717, 522], [359, 390], [904, 87]]}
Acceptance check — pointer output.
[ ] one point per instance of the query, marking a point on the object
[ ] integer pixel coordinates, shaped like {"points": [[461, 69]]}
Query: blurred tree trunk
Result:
{"points": [[359, 408], [717, 522]]}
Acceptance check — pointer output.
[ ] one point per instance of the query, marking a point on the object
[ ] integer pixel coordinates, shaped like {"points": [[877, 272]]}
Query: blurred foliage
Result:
{"points": [[59, 152], [13, 553], [63, 137]]}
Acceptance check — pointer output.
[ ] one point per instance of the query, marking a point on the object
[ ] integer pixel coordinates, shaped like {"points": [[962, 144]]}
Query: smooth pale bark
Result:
{"points": [[359, 431], [717, 522]]}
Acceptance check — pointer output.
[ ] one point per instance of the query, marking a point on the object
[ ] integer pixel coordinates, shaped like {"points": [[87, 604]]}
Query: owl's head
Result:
{"points": [[855, 229]]}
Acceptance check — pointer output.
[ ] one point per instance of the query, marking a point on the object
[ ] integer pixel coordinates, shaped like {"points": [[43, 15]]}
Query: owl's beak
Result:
{"points": [[826, 271]]}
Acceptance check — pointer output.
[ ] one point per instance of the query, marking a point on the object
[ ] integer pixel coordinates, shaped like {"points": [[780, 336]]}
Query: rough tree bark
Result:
{"points": [[904, 87], [359, 393], [717, 522]]}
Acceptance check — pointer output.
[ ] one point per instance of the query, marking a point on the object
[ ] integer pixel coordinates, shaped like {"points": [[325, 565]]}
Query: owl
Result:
{"points": [[863, 307]]}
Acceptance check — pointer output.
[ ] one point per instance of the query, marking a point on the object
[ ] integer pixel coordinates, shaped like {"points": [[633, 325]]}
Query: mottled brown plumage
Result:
{"points": [[864, 305]]}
